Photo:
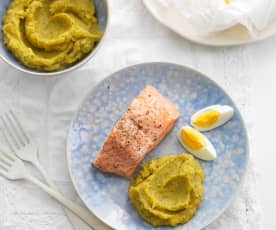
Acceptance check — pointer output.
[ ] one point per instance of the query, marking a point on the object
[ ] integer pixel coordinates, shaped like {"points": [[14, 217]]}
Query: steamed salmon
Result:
{"points": [[148, 118]]}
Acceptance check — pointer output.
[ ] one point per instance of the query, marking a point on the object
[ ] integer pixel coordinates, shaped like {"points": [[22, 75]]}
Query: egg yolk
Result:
{"points": [[206, 118], [227, 1], [192, 139]]}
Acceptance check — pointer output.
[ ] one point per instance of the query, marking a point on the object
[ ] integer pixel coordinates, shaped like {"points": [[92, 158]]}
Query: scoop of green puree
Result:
{"points": [[167, 190]]}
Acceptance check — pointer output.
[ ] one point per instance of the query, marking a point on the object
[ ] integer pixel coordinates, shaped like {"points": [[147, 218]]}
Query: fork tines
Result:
{"points": [[6, 160], [13, 131]]}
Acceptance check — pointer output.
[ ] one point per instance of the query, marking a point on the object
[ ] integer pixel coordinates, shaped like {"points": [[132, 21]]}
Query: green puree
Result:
{"points": [[50, 35], [167, 190]]}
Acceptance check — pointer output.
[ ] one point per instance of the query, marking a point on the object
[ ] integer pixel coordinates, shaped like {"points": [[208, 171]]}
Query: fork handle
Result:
{"points": [[77, 223], [78, 210], [44, 174]]}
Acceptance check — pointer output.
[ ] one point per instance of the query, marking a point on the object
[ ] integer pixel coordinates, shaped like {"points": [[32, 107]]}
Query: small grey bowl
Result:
{"points": [[102, 13]]}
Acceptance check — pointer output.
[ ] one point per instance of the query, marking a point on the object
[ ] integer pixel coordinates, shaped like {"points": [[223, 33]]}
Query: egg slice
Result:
{"points": [[196, 143], [211, 117]]}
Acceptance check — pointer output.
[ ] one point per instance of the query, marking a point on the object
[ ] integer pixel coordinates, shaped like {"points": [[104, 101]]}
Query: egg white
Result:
{"points": [[207, 153], [226, 113]]}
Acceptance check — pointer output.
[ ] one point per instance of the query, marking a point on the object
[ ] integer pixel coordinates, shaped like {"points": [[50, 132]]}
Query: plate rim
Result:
{"points": [[264, 34], [247, 153]]}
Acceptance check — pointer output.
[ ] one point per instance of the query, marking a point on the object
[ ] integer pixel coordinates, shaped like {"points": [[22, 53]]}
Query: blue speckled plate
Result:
{"points": [[106, 195]]}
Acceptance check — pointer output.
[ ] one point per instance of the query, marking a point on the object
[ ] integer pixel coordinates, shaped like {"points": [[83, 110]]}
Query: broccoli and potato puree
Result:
{"points": [[167, 190], [50, 35]]}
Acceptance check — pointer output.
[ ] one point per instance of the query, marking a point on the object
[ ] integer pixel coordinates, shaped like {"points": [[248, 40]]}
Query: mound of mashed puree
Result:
{"points": [[50, 35], [167, 190]]}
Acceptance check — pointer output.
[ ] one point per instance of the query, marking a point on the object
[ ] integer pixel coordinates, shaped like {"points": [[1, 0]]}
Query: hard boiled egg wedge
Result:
{"points": [[211, 117], [196, 143]]}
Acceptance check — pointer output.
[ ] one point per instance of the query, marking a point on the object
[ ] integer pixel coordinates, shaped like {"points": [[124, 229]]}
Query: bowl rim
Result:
{"points": [[83, 61], [195, 70]]}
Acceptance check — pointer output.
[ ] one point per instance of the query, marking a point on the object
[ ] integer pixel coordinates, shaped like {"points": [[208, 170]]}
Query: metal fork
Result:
{"points": [[13, 168], [23, 147]]}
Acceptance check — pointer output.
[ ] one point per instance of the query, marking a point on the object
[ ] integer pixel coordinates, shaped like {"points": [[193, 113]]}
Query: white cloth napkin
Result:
{"points": [[216, 15]]}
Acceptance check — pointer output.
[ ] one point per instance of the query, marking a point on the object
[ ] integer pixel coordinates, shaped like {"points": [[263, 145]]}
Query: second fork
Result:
{"points": [[21, 144]]}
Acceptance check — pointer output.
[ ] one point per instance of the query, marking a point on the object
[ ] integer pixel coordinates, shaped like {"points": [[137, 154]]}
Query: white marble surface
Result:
{"points": [[47, 105]]}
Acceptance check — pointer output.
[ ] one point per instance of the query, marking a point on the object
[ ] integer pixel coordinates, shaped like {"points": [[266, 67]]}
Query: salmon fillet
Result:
{"points": [[148, 118]]}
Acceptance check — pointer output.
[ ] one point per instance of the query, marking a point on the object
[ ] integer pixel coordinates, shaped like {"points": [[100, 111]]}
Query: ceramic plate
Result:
{"points": [[235, 36], [105, 194]]}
